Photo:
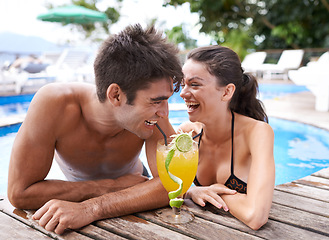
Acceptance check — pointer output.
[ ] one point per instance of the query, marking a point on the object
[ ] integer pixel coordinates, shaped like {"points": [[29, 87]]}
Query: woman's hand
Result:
{"points": [[211, 194]]}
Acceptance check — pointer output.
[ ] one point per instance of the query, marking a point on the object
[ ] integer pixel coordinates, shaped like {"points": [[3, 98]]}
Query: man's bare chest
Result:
{"points": [[89, 150]]}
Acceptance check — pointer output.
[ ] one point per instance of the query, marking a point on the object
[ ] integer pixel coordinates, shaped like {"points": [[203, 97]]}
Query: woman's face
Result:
{"points": [[201, 92]]}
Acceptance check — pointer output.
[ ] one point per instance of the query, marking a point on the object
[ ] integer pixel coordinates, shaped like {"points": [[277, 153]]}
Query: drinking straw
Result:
{"points": [[164, 135]]}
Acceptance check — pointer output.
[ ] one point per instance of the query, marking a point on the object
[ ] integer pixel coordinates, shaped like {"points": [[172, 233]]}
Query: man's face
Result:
{"points": [[149, 106]]}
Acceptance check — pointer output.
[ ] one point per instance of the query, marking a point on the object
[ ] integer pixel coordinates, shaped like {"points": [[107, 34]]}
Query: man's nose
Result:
{"points": [[163, 110]]}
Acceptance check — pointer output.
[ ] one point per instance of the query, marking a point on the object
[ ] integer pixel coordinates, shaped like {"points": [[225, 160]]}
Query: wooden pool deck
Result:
{"points": [[300, 210]]}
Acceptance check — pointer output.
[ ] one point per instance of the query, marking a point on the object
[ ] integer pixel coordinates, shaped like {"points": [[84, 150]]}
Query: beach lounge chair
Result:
{"points": [[8, 82], [315, 76], [252, 61], [67, 66], [289, 59], [71, 65], [323, 61]]}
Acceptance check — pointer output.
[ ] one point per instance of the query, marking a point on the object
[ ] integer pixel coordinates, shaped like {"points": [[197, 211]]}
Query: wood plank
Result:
{"points": [[201, 228], [299, 218], [13, 229], [25, 217], [273, 229], [67, 235], [324, 173], [133, 227], [300, 202], [314, 181], [95, 232], [306, 191]]}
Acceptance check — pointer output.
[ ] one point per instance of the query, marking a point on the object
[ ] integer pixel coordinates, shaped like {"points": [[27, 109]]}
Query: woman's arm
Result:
{"points": [[253, 208]]}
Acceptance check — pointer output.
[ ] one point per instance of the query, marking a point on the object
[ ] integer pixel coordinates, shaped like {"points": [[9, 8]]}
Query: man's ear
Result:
{"points": [[228, 92], [114, 94]]}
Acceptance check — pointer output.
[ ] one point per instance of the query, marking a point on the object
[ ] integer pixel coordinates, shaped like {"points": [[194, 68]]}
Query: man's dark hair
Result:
{"points": [[133, 59]]}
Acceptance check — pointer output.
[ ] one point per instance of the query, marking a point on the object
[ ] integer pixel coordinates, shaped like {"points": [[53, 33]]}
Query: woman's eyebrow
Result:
{"points": [[193, 78]]}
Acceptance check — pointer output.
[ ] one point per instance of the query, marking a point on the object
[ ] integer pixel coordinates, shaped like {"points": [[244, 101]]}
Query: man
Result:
{"points": [[96, 135]]}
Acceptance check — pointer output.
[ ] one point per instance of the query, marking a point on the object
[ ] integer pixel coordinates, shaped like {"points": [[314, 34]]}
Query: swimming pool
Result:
{"points": [[11, 106], [299, 149]]}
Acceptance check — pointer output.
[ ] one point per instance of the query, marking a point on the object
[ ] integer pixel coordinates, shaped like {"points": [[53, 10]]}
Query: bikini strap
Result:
{"points": [[232, 135], [199, 135]]}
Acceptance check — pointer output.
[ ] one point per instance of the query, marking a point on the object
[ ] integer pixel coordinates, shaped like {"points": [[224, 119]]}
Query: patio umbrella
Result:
{"points": [[73, 14]]}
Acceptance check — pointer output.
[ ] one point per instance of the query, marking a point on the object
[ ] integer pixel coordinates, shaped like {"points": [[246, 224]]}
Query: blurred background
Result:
{"points": [[245, 26]]}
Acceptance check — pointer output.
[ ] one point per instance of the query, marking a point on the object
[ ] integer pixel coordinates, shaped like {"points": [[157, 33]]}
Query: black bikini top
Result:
{"points": [[232, 182]]}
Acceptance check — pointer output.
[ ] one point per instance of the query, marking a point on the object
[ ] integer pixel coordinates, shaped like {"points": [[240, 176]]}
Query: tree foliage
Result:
{"points": [[268, 23], [179, 36]]}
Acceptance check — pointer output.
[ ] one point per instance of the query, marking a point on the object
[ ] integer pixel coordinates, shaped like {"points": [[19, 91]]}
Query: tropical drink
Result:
{"points": [[183, 165], [177, 163]]}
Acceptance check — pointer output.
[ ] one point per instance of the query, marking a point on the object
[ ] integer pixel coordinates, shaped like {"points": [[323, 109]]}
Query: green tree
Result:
{"points": [[268, 23], [179, 36]]}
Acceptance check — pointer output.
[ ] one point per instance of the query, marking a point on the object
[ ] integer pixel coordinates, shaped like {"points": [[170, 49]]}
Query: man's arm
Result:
{"points": [[32, 156], [58, 215]]}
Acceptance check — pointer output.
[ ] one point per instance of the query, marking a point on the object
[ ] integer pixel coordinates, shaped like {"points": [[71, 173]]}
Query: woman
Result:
{"points": [[235, 141]]}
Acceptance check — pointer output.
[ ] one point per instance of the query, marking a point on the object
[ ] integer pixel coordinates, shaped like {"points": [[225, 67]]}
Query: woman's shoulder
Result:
{"points": [[252, 127]]}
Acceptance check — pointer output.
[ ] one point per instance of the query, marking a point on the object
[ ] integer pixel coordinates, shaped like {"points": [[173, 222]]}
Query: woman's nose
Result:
{"points": [[184, 92]]}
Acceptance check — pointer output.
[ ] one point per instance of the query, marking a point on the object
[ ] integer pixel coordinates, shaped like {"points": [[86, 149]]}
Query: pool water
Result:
{"points": [[299, 149], [270, 91], [7, 137], [14, 105]]}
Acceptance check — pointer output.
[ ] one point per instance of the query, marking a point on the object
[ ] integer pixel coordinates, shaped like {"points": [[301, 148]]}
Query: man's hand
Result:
{"points": [[211, 194], [58, 215]]}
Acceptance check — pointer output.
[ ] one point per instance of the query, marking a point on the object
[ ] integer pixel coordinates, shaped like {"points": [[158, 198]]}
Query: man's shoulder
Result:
{"points": [[67, 89], [60, 99], [64, 92]]}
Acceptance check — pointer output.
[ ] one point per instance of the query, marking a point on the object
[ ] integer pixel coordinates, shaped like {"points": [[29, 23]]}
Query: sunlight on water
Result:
{"points": [[313, 149]]}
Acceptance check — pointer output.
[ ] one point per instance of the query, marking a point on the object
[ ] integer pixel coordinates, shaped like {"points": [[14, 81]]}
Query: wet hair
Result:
{"points": [[225, 65], [133, 59]]}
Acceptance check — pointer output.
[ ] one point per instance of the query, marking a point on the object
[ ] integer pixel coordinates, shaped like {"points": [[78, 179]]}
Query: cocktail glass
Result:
{"points": [[184, 166]]}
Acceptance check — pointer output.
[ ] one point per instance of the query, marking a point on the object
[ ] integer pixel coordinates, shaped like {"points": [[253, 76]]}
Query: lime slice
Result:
{"points": [[174, 201], [170, 155], [184, 142], [178, 191], [177, 202]]}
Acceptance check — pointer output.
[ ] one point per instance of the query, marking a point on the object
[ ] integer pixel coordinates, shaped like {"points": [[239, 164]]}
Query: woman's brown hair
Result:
{"points": [[225, 65]]}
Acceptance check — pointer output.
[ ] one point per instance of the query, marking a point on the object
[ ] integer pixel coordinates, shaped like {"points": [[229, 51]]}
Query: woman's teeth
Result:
{"points": [[192, 105], [150, 122]]}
